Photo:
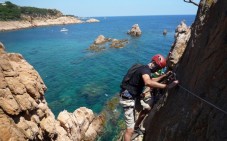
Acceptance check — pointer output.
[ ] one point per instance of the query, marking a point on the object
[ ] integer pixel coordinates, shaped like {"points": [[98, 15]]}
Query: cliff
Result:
{"points": [[201, 71], [15, 25], [13, 17], [24, 113]]}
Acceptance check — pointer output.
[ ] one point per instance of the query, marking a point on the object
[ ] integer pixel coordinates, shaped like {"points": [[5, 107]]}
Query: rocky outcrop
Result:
{"points": [[101, 43], [201, 71], [15, 25], [42, 21], [118, 43], [135, 30], [182, 35], [24, 113], [92, 20]]}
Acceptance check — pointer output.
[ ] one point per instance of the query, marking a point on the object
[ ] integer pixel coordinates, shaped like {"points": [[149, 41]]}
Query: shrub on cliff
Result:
{"points": [[9, 11]]}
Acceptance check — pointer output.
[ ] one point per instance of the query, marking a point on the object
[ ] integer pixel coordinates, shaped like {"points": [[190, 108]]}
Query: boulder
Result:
{"points": [[95, 128], [81, 124], [135, 30]]}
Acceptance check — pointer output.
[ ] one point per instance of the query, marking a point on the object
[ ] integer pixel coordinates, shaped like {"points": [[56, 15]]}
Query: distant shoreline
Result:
{"points": [[23, 24]]}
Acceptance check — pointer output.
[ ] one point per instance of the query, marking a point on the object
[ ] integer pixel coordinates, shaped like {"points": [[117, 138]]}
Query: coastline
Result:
{"points": [[16, 25]]}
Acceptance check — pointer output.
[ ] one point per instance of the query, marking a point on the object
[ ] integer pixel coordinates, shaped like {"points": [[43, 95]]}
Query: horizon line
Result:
{"points": [[135, 15]]}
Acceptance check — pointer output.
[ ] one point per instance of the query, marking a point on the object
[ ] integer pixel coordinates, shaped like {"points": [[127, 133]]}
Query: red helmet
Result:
{"points": [[159, 60]]}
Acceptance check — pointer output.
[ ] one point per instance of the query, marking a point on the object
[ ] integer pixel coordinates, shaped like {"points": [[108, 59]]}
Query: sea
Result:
{"points": [[77, 77]]}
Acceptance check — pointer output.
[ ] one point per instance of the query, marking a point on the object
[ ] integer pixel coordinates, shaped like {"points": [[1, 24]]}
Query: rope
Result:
{"points": [[203, 99]]}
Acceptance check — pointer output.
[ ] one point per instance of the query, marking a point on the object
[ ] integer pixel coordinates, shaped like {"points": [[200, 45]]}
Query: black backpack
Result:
{"points": [[129, 74]]}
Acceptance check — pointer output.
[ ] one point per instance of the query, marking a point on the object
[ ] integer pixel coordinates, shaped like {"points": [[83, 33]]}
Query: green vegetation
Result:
{"points": [[10, 11]]}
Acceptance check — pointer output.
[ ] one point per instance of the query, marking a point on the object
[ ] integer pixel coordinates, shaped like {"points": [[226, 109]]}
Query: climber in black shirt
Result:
{"points": [[133, 85]]}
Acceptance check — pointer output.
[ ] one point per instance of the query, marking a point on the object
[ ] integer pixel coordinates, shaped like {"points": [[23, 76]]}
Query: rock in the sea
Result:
{"points": [[24, 113], [135, 30], [100, 40], [164, 32], [92, 20], [118, 43], [101, 43]]}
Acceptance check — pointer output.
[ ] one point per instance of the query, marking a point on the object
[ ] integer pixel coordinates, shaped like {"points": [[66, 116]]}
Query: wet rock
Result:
{"points": [[135, 30]]}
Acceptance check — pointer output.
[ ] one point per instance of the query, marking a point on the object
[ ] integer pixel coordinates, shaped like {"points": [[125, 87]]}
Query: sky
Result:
{"points": [[99, 8]]}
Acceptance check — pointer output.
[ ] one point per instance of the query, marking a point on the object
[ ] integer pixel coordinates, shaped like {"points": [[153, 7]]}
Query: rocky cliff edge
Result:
{"points": [[24, 113]]}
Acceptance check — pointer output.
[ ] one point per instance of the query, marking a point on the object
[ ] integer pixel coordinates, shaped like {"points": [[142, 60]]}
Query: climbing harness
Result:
{"points": [[203, 99]]}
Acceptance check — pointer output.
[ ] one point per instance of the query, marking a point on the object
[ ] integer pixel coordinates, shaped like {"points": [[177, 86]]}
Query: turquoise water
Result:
{"points": [[76, 77]]}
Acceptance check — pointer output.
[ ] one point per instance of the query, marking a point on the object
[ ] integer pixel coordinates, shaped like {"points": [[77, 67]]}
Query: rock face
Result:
{"points": [[135, 30], [24, 114], [201, 70], [182, 35]]}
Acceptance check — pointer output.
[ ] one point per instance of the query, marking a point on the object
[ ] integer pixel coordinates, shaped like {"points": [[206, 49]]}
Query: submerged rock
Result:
{"points": [[135, 30]]}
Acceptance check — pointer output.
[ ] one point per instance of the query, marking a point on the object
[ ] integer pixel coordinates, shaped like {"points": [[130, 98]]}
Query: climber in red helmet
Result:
{"points": [[133, 84]]}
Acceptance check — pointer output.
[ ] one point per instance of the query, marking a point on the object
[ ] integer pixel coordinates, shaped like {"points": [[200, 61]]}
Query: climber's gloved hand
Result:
{"points": [[173, 84], [168, 73]]}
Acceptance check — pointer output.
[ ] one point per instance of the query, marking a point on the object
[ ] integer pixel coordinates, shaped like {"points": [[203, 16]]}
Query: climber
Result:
{"points": [[132, 86], [150, 97]]}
